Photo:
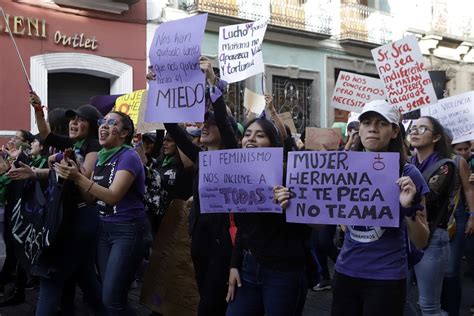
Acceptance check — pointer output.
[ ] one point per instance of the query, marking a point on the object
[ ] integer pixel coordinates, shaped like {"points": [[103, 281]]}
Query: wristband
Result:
{"points": [[411, 211]]}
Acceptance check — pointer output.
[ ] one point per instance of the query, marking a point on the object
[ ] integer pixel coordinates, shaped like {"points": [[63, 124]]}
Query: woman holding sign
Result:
{"points": [[371, 270], [211, 246], [428, 138], [267, 274]]}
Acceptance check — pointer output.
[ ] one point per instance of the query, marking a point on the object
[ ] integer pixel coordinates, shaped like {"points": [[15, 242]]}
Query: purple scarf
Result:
{"points": [[431, 159]]}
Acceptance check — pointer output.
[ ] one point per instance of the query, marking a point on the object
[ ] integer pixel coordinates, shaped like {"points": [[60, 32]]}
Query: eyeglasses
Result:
{"points": [[109, 122], [419, 130]]}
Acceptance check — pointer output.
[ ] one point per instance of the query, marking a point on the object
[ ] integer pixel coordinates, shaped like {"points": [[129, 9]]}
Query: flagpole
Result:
{"points": [[16, 48]]}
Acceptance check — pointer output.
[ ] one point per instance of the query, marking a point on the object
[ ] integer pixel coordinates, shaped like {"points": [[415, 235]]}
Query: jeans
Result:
{"points": [[324, 243], [269, 292], [73, 258], [366, 297], [430, 272], [120, 251], [452, 288]]}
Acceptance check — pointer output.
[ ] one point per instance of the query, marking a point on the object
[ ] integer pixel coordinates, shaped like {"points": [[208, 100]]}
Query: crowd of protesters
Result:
{"points": [[118, 190]]}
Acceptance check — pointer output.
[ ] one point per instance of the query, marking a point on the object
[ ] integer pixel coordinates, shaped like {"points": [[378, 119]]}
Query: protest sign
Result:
{"points": [[343, 187], [240, 180], [178, 93], [353, 91], [407, 82], [254, 102], [322, 138], [130, 104], [287, 119], [142, 126], [240, 50], [455, 113]]}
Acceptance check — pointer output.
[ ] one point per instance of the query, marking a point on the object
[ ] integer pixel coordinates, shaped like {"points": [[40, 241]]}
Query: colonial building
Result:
{"points": [[72, 50]]}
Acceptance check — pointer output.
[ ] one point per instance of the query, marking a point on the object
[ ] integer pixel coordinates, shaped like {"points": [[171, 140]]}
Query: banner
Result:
{"points": [[178, 93], [240, 50], [407, 82], [353, 91], [142, 126], [322, 138], [455, 113], [130, 104], [240, 180], [343, 187], [254, 102]]}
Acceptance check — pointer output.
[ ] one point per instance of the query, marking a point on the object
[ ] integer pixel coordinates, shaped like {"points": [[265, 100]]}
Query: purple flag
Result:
{"points": [[178, 93], [343, 187], [240, 180]]}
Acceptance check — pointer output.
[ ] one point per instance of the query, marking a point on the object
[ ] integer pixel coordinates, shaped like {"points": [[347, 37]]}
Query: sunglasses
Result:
{"points": [[110, 122]]}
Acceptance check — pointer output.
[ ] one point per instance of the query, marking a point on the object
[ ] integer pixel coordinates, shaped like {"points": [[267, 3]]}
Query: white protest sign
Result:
{"points": [[353, 91], [455, 113], [254, 102], [407, 82], [240, 50]]}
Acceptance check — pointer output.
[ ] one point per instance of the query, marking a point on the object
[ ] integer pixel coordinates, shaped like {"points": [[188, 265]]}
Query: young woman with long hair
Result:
{"points": [[267, 274], [371, 270]]}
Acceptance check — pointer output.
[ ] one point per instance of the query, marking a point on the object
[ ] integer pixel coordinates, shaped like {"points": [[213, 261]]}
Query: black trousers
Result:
{"points": [[365, 297]]}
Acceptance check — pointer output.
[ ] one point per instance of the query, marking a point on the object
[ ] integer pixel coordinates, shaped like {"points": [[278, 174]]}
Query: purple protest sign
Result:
{"points": [[240, 180], [178, 93], [343, 187]]}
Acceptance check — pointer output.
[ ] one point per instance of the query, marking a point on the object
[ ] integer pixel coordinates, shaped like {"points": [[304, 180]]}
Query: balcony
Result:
{"points": [[313, 16], [364, 25]]}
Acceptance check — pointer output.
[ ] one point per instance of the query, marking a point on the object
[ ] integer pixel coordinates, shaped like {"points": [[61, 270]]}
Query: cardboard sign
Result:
{"points": [[343, 187], [178, 93], [240, 180], [455, 113], [142, 126], [287, 119], [254, 102], [130, 104], [353, 91], [322, 138], [240, 50], [407, 82]]}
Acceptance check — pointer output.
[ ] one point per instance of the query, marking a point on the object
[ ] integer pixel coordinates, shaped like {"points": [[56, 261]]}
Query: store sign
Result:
{"points": [[30, 27]]}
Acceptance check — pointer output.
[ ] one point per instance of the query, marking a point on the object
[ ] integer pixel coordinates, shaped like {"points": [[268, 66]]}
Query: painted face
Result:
{"points": [[463, 150], [376, 133], [254, 137], [169, 146], [210, 135], [421, 134], [36, 148], [78, 128], [111, 131]]}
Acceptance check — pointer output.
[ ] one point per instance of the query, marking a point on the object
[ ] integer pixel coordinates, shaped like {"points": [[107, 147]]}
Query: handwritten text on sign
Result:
{"points": [[240, 180], [455, 113], [407, 82], [352, 188], [178, 93], [240, 50], [130, 104], [353, 91]]}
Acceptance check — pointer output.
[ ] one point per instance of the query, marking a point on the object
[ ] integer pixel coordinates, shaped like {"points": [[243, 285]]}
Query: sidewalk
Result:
{"points": [[317, 303]]}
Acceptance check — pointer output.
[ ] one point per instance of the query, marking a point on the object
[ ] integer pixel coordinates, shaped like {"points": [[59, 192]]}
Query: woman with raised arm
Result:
{"points": [[117, 186]]}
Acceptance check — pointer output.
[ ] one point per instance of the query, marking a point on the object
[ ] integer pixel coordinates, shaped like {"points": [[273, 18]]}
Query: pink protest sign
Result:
{"points": [[343, 187], [407, 82], [178, 93], [353, 91], [240, 180]]}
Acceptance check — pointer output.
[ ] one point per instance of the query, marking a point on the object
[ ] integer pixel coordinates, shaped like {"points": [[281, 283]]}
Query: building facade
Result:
{"points": [[72, 50], [308, 42]]}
